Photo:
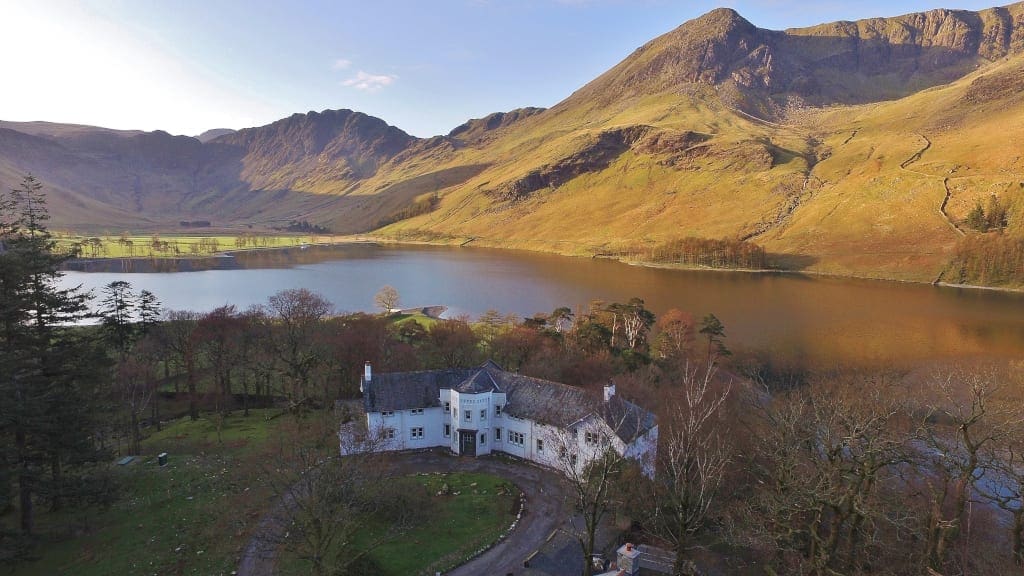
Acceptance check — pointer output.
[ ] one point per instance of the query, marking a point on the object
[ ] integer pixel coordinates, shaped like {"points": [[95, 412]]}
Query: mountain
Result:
{"points": [[213, 134], [853, 148]]}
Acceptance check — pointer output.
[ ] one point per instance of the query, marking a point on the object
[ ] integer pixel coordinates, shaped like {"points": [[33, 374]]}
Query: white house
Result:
{"points": [[481, 410]]}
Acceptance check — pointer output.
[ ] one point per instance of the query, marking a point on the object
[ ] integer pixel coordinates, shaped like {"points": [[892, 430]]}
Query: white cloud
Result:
{"points": [[370, 82], [341, 64]]}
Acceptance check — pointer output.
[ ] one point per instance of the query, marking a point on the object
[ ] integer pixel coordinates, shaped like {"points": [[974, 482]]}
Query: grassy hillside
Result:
{"points": [[852, 190]]}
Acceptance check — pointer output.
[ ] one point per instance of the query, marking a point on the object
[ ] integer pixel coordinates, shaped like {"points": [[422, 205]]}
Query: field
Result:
{"points": [[175, 246]]}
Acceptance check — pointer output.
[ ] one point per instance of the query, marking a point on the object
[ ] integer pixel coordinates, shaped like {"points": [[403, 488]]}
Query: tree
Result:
{"points": [[387, 299], [116, 313], [713, 328], [452, 343], [179, 336], [328, 500], [595, 468], [632, 320], [974, 423], [996, 218], [297, 314], [824, 460], [976, 218], [691, 461], [218, 335], [1003, 485], [675, 335], [50, 416]]}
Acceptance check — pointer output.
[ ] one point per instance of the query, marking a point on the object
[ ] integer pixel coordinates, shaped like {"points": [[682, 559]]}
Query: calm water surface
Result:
{"points": [[819, 321]]}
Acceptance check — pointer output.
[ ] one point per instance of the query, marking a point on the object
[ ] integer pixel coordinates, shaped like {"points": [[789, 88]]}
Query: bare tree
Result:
{"points": [[958, 430], [1003, 486], [594, 457], [327, 500], [179, 329], [387, 298], [825, 454], [691, 460], [296, 320]]}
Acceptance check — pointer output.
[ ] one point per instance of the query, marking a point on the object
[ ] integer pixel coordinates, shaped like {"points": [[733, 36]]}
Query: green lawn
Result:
{"points": [[475, 512], [192, 516], [423, 319]]}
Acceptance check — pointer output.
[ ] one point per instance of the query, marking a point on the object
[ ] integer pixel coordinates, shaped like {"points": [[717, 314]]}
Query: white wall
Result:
{"points": [[573, 440]]}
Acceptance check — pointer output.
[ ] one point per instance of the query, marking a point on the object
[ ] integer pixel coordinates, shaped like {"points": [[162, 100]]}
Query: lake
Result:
{"points": [[809, 320]]}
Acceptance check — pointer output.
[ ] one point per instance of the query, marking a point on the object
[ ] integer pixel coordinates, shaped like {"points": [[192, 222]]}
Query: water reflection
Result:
{"points": [[819, 320]]}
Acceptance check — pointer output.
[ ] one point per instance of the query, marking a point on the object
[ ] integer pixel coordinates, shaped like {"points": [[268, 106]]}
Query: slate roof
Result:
{"points": [[528, 398], [407, 390]]}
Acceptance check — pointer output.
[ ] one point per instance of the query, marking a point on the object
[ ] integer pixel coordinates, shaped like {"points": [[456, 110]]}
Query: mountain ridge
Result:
{"points": [[807, 141]]}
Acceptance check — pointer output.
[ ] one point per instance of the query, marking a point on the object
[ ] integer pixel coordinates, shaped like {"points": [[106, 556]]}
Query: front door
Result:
{"points": [[467, 442]]}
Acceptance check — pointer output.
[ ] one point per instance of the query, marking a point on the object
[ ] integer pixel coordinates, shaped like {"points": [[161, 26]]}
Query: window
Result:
{"points": [[447, 430], [455, 412], [515, 438], [387, 413], [497, 434], [540, 446], [417, 411], [469, 415], [572, 460], [447, 407], [416, 432], [483, 414], [590, 437], [389, 433], [497, 410], [483, 438]]}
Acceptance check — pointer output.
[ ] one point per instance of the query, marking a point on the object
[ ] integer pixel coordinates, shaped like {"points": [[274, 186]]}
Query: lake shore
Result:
{"points": [[364, 239]]}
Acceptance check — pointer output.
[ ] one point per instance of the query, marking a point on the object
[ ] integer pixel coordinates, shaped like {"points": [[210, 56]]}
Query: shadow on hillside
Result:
{"points": [[155, 180], [790, 262]]}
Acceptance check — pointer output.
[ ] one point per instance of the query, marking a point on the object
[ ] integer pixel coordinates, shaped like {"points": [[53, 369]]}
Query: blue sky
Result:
{"points": [[425, 66]]}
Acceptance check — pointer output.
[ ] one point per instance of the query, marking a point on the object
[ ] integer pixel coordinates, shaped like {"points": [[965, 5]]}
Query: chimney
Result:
{"points": [[367, 376], [628, 560], [609, 391]]}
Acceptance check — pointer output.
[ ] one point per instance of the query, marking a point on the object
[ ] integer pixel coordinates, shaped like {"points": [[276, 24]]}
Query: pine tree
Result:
{"points": [[976, 218], [51, 372]]}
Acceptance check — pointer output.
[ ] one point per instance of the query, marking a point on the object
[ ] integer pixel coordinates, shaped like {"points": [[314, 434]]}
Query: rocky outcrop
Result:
{"points": [[478, 129], [595, 155], [841, 62]]}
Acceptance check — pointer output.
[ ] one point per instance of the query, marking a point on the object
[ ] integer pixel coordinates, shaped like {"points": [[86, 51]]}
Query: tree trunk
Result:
{"points": [[25, 510], [136, 433], [1018, 537], [245, 394], [57, 475], [679, 566], [190, 373]]}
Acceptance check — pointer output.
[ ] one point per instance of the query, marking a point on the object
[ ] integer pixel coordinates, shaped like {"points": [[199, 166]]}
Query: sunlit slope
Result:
{"points": [[882, 208], [845, 189]]}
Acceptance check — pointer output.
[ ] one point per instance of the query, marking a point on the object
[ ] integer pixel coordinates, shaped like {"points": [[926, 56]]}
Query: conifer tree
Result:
{"points": [[51, 372]]}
